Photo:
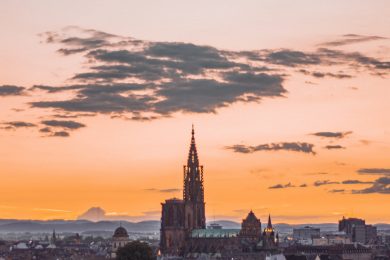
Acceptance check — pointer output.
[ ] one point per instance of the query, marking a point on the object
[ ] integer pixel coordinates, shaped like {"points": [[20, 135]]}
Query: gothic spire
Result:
{"points": [[193, 174], [193, 154], [193, 189], [269, 226]]}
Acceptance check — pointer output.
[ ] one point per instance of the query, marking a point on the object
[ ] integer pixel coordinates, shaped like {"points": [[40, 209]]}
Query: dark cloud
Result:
{"points": [[101, 103], [17, 124], [292, 58], [205, 96], [381, 185], [318, 74], [353, 59], [352, 38], [325, 182], [61, 134], [94, 89], [322, 56], [64, 124], [281, 186], [169, 190], [78, 40], [337, 191], [333, 134], [196, 95], [73, 115], [45, 130], [317, 173], [172, 76], [286, 146], [10, 90], [143, 80], [332, 147], [288, 185], [174, 64], [356, 182], [374, 171]]}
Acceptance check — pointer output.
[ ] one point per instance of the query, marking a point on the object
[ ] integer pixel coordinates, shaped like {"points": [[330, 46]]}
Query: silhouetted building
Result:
{"points": [[269, 239], [371, 234], [250, 228], [180, 217], [183, 225], [119, 239], [331, 239], [305, 233], [358, 231]]}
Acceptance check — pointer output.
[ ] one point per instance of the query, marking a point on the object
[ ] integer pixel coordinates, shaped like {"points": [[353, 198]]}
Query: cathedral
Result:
{"points": [[183, 225]]}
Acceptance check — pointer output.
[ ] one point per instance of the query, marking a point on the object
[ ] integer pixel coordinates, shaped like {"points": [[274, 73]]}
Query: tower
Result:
{"points": [[269, 240], [193, 190], [180, 216], [251, 228], [119, 239]]}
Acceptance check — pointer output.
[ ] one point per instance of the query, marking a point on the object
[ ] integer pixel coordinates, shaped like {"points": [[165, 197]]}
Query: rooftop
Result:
{"points": [[214, 233]]}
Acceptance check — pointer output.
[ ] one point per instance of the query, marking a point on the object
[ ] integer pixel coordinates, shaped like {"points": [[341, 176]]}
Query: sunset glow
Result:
{"points": [[291, 111]]}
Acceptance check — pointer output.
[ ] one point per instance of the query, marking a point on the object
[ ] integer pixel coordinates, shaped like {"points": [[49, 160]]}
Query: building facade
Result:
{"points": [[358, 231], [119, 239], [305, 233]]}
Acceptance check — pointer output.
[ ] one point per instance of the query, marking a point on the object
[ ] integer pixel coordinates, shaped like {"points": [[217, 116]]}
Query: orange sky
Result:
{"points": [[126, 166]]}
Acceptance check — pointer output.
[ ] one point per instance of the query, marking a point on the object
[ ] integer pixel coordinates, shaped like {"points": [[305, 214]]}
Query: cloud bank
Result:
{"points": [[141, 80], [284, 146]]}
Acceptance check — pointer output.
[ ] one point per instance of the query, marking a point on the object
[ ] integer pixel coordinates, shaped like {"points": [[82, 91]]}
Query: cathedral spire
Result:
{"points": [[193, 174], [269, 226], [193, 160]]}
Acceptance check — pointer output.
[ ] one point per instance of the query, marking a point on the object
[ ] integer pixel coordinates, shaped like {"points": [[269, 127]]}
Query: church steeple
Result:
{"points": [[193, 154], [193, 174], [269, 225], [193, 189]]}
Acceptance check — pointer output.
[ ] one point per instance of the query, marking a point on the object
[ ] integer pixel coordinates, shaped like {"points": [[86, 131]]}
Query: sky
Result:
{"points": [[289, 100]]}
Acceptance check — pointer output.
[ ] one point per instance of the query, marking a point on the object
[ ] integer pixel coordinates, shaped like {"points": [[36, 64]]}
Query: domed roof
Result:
{"points": [[120, 232]]}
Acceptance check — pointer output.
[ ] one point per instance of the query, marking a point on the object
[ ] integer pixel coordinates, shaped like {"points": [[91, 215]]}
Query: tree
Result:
{"points": [[135, 250]]}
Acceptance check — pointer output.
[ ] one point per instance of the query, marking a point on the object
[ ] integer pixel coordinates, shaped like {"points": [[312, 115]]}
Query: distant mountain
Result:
{"points": [[93, 214], [76, 226], [34, 226], [382, 226], [99, 214], [226, 224]]}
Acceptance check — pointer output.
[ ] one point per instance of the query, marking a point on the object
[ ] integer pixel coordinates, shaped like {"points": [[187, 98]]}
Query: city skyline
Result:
{"points": [[290, 115]]}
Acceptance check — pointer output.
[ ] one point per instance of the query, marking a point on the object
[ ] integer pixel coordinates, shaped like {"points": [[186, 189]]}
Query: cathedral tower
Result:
{"points": [[180, 216], [193, 190]]}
